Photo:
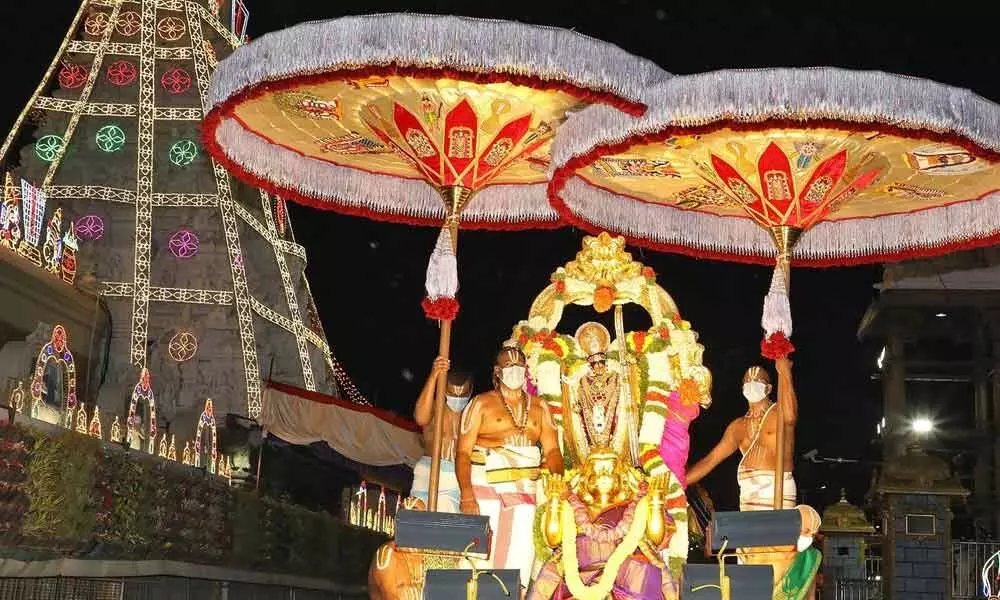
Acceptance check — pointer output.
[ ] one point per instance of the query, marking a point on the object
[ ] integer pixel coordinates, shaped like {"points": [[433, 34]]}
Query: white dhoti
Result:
{"points": [[449, 494], [504, 481], [757, 490]]}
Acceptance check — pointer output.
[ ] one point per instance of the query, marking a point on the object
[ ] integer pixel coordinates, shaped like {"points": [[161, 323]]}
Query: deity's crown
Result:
{"points": [[593, 338]]}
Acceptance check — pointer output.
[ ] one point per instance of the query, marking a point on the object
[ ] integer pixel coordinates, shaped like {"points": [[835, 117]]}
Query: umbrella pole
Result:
{"points": [[456, 198], [785, 238]]}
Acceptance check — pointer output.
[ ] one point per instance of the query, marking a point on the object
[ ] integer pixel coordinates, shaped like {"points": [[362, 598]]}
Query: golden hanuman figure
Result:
{"points": [[599, 412]]}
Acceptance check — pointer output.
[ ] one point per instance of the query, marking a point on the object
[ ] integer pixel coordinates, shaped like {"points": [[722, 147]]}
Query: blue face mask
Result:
{"points": [[457, 403]]}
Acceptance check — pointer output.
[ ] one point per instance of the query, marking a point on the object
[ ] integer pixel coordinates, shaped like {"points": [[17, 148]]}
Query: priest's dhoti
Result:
{"points": [[504, 483], [757, 490], [449, 493], [757, 493]]}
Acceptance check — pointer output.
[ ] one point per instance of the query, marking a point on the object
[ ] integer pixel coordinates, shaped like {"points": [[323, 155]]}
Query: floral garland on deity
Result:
{"points": [[633, 524]]}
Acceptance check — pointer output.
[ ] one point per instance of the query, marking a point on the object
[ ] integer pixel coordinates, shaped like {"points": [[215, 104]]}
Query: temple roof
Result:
{"points": [[844, 517]]}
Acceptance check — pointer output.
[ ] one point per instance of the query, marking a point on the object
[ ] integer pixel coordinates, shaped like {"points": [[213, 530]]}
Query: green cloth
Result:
{"points": [[799, 577]]}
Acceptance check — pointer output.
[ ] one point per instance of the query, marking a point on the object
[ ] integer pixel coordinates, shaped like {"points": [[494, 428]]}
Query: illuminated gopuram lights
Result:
{"points": [[204, 282]]}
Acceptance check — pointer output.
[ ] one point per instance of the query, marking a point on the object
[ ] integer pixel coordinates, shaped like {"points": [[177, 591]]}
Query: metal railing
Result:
{"points": [[857, 589], [155, 588], [968, 559]]}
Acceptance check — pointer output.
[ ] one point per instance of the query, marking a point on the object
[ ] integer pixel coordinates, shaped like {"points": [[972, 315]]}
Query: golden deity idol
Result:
{"points": [[607, 524], [599, 411]]}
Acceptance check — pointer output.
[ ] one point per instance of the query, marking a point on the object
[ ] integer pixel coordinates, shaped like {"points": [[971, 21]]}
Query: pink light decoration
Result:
{"points": [[183, 243], [90, 227], [176, 81]]}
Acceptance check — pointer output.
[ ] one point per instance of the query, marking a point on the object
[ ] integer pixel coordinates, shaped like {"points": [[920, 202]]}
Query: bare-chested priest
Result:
{"points": [[755, 435], [498, 461], [457, 394]]}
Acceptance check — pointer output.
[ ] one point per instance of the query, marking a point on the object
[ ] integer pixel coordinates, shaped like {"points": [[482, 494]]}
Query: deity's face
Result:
{"points": [[599, 366]]}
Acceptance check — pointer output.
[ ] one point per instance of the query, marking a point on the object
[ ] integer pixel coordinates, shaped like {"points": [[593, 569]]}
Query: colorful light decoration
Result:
{"points": [[176, 81], [95, 429], [57, 350], [90, 227], [129, 23], [183, 244], [187, 454], [72, 76], [280, 214], [183, 346], [33, 212], [116, 431], [171, 29], [240, 19], [378, 518], [96, 24], [122, 73], [81, 419], [172, 450], [207, 420], [110, 138], [163, 446], [991, 582], [16, 398], [48, 147], [182, 153], [142, 392]]}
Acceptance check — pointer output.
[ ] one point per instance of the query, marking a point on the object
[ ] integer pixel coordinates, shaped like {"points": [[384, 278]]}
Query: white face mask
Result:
{"points": [[513, 377], [457, 403], [804, 542], [754, 391]]}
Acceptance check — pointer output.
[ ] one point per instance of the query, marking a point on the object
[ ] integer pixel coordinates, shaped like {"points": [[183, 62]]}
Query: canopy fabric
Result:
{"points": [[363, 434], [873, 167]]}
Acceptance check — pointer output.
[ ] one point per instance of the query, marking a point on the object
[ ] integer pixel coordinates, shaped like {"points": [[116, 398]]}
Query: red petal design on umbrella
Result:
{"points": [[739, 186], [461, 127], [817, 191], [420, 143], [776, 183], [496, 153]]}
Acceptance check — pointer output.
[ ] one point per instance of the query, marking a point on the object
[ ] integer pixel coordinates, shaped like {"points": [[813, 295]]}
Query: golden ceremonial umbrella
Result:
{"points": [[817, 167], [385, 116]]}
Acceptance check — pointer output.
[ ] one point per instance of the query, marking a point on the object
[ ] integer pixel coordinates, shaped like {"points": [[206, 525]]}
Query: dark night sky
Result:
{"points": [[368, 277]]}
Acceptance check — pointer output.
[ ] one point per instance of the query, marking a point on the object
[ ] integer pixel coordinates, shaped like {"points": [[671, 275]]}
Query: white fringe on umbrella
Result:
{"points": [[851, 240], [798, 94], [442, 268], [484, 45], [384, 194], [777, 315]]}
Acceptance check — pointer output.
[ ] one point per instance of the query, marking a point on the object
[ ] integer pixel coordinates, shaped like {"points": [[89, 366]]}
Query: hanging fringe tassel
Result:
{"points": [[777, 319], [442, 280]]}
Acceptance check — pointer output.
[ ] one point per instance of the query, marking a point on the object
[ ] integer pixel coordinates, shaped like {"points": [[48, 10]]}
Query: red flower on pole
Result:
{"points": [[776, 346], [440, 309]]}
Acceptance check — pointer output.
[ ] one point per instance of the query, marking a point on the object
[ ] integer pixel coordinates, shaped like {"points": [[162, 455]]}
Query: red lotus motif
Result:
{"points": [[777, 203], [456, 157]]}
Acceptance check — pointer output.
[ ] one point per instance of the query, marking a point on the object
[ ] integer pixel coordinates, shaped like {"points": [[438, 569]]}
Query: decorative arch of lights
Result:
{"points": [[56, 350], [142, 392], [206, 421]]}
